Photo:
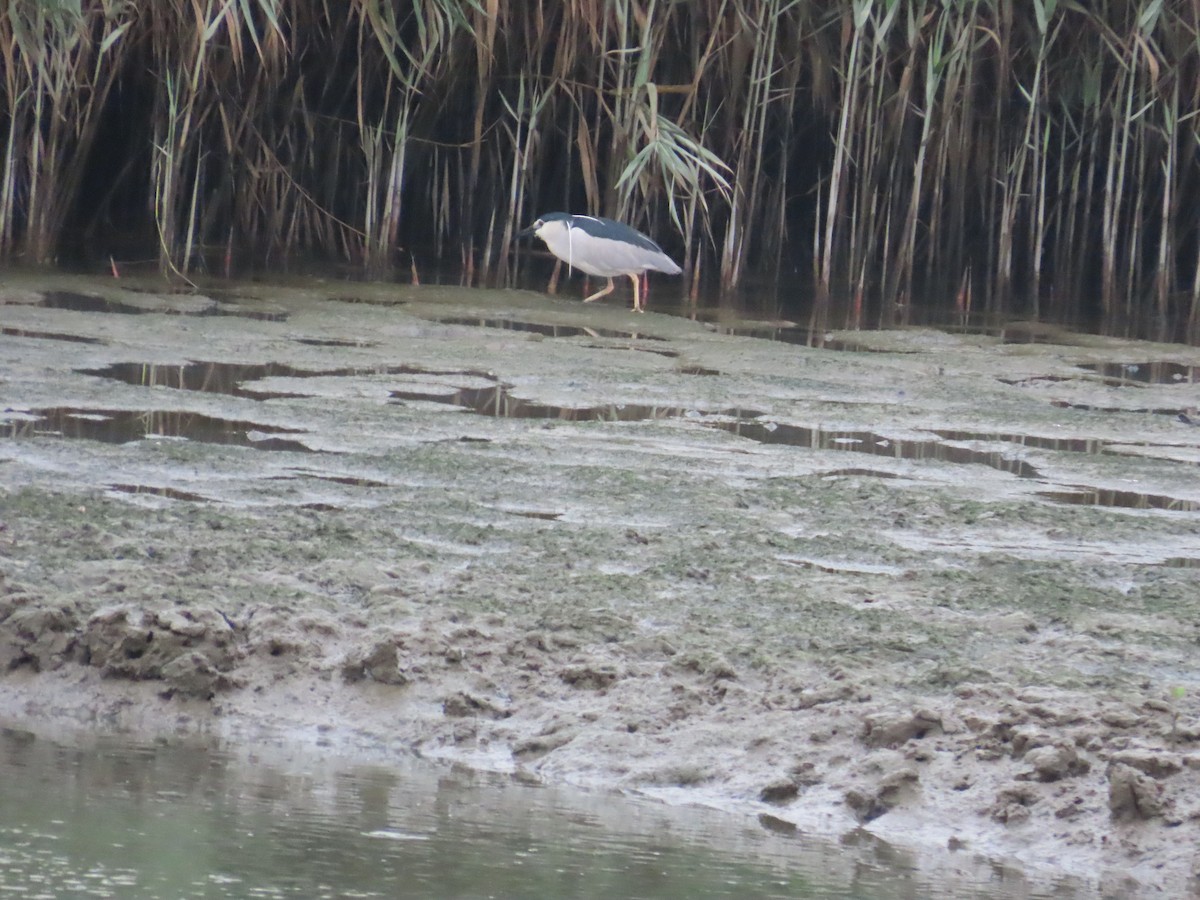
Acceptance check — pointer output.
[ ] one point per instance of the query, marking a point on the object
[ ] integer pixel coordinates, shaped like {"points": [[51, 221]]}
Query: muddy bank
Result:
{"points": [[940, 589]]}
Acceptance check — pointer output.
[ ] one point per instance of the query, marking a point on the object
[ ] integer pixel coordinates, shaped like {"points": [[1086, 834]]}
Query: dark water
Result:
{"points": [[110, 817]]}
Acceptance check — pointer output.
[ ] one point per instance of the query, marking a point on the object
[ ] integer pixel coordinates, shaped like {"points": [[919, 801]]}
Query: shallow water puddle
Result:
{"points": [[89, 303], [1181, 414], [546, 330], [1068, 445], [350, 480], [209, 377], [841, 567], [1087, 378], [669, 354], [334, 342], [1023, 334], [544, 515], [856, 347], [369, 301], [1158, 372], [231, 378], [877, 445], [1121, 374], [874, 444], [168, 492], [121, 426], [1083, 495], [242, 312], [786, 334], [49, 336], [92, 303], [791, 333], [1033, 379], [497, 400], [1087, 446], [854, 471]]}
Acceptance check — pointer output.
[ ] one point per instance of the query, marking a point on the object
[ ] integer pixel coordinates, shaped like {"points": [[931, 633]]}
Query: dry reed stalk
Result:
{"points": [[60, 63]]}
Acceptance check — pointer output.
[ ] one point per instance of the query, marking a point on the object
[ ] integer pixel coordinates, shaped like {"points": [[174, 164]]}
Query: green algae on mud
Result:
{"points": [[926, 649]]}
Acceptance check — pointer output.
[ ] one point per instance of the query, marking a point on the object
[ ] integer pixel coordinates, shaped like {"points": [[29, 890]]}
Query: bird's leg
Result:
{"points": [[601, 293], [636, 278]]}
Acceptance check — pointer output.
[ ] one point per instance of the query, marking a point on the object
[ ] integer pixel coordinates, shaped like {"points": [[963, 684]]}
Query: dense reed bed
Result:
{"points": [[1033, 156]]}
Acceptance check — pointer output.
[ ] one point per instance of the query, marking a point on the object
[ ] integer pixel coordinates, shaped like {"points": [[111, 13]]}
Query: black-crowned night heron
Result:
{"points": [[603, 248]]}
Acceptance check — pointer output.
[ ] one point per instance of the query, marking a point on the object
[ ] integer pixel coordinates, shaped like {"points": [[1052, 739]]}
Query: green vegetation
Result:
{"points": [[1035, 156]]}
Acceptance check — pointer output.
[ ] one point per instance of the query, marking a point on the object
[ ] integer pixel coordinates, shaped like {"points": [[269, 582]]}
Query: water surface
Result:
{"points": [[107, 816]]}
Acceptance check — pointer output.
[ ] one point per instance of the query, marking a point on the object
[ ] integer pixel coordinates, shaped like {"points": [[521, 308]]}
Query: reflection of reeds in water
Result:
{"points": [[1038, 156], [120, 426]]}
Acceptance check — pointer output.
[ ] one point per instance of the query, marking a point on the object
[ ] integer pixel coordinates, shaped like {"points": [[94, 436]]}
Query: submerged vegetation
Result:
{"points": [[1038, 156]]}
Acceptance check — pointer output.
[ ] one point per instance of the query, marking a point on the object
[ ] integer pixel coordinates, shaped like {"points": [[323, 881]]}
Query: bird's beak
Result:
{"points": [[527, 231]]}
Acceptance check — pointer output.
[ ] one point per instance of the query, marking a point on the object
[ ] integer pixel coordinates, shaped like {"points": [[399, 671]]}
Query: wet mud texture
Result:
{"points": [[939, 589]]}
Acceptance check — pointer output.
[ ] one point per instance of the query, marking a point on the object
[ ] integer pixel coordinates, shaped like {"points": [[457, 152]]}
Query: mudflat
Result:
{"points": [[940, 589]]}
